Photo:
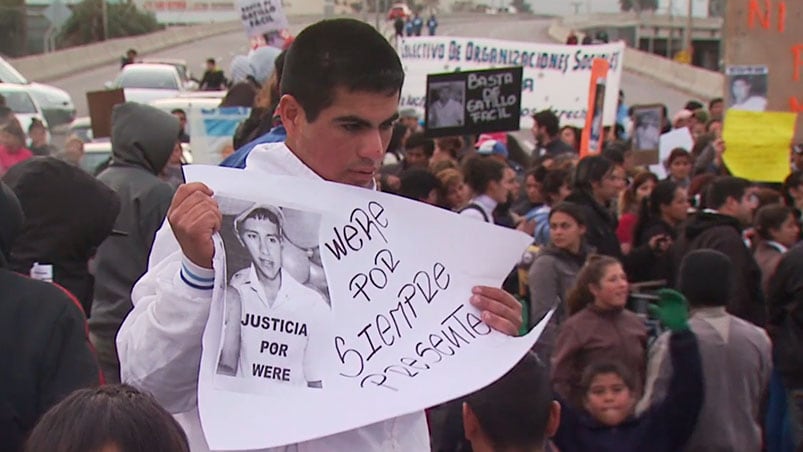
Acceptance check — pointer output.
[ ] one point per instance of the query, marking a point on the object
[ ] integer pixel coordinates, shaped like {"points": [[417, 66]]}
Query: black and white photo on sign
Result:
{"points": [[647, 127], [276, 295], [748, 87], [446, 104]]}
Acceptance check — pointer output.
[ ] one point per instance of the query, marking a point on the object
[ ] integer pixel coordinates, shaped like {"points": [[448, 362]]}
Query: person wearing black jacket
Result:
{"points": [[46, 354], [785, 326], [66, 220], [597, 182], [719, 227]]}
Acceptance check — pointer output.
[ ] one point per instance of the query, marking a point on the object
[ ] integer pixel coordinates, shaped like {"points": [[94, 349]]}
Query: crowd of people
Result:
{"points": [[712, 361]]}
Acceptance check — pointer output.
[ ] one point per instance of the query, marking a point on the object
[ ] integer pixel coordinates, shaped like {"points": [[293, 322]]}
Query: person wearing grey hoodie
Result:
{"points": [[554, 271], [143, 138]]}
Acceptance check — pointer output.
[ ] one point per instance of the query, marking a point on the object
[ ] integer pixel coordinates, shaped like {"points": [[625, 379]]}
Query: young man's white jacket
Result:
{"points": [[160, 341]]}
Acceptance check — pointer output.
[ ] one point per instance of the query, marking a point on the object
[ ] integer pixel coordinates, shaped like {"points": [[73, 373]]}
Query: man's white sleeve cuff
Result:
{"points": [[196, 276]]}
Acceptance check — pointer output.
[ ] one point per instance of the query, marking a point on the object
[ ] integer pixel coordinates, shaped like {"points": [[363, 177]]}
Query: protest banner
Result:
{"points": [[473, 102], [765, 33], [555, 76], [261, 16], [212, 131], [592, 136], [323, 299], [101, 103], [758, 144]]}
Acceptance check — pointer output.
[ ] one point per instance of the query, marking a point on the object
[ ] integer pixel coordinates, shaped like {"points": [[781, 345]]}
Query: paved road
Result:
{"points": [[224, 47]]}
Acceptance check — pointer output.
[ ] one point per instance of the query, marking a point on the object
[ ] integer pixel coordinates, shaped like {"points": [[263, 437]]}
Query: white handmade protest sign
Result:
{"points": [[212, 130], [261, 16], [369, 318], [555, 76]]}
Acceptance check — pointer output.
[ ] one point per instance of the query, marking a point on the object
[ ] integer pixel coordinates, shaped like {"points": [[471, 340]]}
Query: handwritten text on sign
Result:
{"points": [[555, 76], [401, 328]]}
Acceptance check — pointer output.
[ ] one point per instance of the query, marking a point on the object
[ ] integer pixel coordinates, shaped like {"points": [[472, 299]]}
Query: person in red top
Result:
{"points": [[12, 142]]}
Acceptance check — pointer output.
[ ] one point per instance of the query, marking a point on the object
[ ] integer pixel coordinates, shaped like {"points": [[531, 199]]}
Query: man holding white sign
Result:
{"points": [[340, 94]]}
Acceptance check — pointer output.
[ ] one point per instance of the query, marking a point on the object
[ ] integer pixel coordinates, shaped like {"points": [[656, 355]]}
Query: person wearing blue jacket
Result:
{"points": [[607, 422], [237, 159]]}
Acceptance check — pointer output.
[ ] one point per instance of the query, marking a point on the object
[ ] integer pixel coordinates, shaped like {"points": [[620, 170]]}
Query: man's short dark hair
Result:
{"points": [[514, 410], [693, 105], [93, 418], [725, 187], [714, 101], [480, 171], [339, 53], [418, 183], [211, 61], [260, 213], [553, 181], [548, 119], [178, 111], [420, 140]]}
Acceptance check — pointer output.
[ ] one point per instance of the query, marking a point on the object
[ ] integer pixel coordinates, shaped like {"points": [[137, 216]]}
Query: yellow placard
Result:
{"points": [[758, 144]]}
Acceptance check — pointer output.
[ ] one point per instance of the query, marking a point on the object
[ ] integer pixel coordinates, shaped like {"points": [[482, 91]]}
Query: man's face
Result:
{"points": [[444, 94], [182, 119], [533, 190], [416, 158], [346, 142], [716, 109], [38, 136], [501, 192], [741, 89], [411, 122], [261, 238], [747, 206], [539, 133]]}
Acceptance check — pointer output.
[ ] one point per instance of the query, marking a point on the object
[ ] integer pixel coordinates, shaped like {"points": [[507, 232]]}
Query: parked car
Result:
{"points": [[399, 10], [147, 82], [56, 104], [24, 106], [97, 155], [182, 68], [82, 128]]}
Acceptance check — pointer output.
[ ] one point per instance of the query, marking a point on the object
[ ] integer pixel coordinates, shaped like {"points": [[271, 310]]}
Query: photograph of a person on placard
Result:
{"points": [[596, 118], [276, 298], [647, 128], [446, 104], [748, 92]]}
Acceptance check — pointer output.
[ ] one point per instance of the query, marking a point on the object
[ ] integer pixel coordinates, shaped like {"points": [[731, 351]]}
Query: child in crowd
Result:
{"points": [[599, 328], [607, 422], [112, 418]]}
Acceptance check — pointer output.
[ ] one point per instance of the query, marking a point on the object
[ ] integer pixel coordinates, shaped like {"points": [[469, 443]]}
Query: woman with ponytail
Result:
{"points": [[600, 328]]}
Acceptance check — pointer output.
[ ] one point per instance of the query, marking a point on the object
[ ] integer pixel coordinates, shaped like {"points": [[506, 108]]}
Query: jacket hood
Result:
{"points": [[11, 219], [703, 221], [143, 136], [66, 219]]}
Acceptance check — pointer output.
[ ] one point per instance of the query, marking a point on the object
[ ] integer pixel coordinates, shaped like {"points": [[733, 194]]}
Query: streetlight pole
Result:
{"points": [[689, 18]]}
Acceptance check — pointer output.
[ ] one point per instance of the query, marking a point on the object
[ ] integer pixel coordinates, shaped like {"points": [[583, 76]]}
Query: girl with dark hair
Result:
{"points": [[629, 205], [571, 136], [600, 328], [778, 230], [660, 216], [113, 418], [554, 270]]}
